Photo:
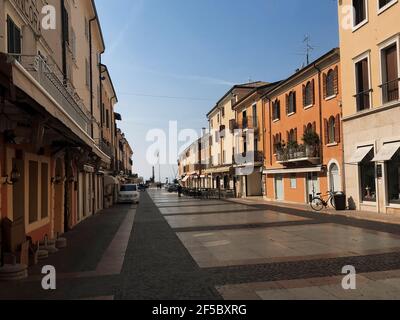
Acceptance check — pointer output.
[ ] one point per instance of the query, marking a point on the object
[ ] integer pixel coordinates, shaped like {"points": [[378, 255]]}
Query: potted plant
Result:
{"points": [[301, 151], [311, 141], [280, 147], [292, 147]]}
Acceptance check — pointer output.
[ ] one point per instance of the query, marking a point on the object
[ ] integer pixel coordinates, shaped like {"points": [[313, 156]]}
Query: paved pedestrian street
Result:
{"points": [[182, 248]]}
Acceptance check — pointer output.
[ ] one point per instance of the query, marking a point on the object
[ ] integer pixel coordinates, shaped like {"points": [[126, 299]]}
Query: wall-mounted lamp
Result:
{"points": [[13, 178]]}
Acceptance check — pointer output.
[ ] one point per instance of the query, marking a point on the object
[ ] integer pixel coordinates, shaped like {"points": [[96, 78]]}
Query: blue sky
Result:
{"points": [[172, 60]]}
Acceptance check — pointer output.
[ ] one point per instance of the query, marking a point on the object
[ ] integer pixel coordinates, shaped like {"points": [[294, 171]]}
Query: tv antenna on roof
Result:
{"points": [[309, 48]]}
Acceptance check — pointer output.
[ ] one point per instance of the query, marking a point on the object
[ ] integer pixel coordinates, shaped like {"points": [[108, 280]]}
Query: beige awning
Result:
{"points": [[290, 171], [360, 154], [387, 152]]}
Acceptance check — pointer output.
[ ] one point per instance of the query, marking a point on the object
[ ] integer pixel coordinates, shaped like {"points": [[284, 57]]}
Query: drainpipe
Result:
{"points": [[63, 44]]}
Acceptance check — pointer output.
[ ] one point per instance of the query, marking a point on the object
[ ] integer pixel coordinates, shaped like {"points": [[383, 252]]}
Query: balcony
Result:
{"points": [[107, 149], [390, 91], [301, 153], [250, 157], [363, 100], [249, 123], [51, 79]]}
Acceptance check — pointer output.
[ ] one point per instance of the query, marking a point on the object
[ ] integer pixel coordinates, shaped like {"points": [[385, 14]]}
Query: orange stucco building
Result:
{"points": [[303, 148]]}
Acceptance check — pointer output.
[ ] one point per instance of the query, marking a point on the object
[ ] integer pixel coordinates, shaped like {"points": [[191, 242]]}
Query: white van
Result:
{"points": [[128, 193]]}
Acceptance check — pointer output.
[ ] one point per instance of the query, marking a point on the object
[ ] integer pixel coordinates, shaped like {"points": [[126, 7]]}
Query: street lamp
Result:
{"points": [[13, 178]]}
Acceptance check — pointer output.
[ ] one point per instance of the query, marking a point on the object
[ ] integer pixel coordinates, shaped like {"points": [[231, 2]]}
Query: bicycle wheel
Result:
{"points": [[317, 204]]}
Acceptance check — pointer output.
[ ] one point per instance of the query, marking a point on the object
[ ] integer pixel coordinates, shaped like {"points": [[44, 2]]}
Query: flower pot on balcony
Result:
{"points": [[310, 151]]}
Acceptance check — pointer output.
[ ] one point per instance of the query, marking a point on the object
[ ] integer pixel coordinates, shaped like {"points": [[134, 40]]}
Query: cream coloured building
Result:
{"points": [[370, 64], [222, 119]]}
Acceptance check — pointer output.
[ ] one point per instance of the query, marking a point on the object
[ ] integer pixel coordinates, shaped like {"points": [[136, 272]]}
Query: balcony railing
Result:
{"points": [[107, 149], [51, 79], [363, 100], [309, 153], [248, 157], [249, 123], [390, 91]]}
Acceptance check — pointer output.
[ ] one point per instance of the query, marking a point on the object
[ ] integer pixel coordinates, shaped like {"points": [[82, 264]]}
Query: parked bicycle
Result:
{"points": [[318, 203]]}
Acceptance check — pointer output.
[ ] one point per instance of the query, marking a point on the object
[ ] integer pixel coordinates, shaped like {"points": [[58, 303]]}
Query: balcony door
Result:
{"points": [[390, 74], [363, 93]]}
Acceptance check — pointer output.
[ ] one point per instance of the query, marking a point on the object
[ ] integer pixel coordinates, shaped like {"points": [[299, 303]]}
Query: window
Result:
{"points": [[13, 37], [128, 188], [277, 142], [308, 94], [332, 130], [330, 84], [108, 119], [291, 103], [293, 181], [384, 4], [362, 85], [360, 12], [33, 192], [367, 173], [292, 135], [393, 173], [276, 110], [255, 119], [390, 74]]}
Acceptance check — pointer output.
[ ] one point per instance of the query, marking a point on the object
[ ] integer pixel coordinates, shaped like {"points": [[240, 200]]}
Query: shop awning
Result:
{"points": [[387, 152], [360, 154], [185, 179], [295, 170], [110, 180]]}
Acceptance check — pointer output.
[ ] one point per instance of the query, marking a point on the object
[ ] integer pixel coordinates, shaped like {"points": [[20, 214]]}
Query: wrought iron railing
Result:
{"points": [[52, 80], [363, 100], [390, 91], [107, 149]]}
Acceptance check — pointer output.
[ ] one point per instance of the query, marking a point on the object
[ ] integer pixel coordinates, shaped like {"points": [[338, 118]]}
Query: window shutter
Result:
{"points": [[279, 109], [304, 96], [295, 134], [17, 39], [313, 91], [314, 126], [337, 129], [294, 101], [287, 104], [287, 136], [336, 80], [326, 131], [324, 85]]}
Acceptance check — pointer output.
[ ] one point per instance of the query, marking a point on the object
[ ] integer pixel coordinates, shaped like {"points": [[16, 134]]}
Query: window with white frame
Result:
{"points": [[360, 12], [363, 87], [385, 4], [293, 181]]}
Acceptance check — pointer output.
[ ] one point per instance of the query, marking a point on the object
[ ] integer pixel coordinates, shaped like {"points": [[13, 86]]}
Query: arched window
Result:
{"points": [[276, 110], [331, 130], [292, 135], [291, 103], [308, 99], [330, 83]]}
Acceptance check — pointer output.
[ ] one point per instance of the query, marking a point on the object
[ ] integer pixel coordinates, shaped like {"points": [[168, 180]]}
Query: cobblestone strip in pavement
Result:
{"points": [[157, 266]]}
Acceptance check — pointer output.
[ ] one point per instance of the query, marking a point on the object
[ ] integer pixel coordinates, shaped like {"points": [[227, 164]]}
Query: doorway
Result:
{"points": [[279, 192], [334, 178], [313, 186]]}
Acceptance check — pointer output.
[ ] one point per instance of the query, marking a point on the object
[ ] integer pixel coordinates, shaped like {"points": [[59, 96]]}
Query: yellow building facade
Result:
{"points": [[370, 64]]}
